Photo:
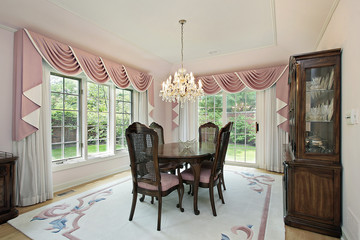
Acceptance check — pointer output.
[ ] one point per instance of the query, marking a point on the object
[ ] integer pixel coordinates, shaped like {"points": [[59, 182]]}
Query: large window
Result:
{"points": [[123, 109], [97, 117], [87, 125], [65, 117], [240, 108]]}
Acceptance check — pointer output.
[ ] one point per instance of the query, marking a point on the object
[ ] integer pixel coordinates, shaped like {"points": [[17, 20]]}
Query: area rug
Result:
{"points": [[253, 209]]}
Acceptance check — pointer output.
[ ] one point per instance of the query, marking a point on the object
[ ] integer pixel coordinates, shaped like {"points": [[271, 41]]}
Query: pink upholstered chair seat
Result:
{"points": [[204, 175], [167, 181]]}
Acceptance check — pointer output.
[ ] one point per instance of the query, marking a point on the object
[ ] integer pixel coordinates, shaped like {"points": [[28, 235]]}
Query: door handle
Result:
{"points": [[257, 126]]}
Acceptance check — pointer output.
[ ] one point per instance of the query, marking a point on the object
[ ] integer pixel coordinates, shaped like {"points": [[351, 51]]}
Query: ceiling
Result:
{"points": [[219, 36]]}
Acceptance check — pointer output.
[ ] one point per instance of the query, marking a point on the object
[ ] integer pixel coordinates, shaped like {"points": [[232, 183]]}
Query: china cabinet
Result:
{"points": [[7, 188], [312, 178]]}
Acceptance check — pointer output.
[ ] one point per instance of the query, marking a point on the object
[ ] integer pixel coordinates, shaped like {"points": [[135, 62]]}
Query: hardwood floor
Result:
{"points": [[8, 232]]}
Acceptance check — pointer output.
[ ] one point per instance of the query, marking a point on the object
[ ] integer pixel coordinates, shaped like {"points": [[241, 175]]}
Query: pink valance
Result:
{"points": [[117, 74], [58, 55], [259, 79], [229, 82], [92, 66], [30, 48], [27, 76]]}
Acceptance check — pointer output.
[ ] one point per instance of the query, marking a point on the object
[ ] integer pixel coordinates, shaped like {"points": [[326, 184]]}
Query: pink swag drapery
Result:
{"points": [[30, 48], [259, 79]]}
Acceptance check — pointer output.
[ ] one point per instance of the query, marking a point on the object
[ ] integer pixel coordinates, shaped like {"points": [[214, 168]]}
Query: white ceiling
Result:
{"points": [[219, 36]]}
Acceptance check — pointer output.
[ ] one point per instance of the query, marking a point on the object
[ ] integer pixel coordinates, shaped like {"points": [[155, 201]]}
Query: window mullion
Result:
{"points": [[112, 120], [85, 120]]}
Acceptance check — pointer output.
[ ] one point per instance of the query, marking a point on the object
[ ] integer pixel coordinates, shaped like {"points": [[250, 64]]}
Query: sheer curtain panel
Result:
{"points": [[34, 173]]}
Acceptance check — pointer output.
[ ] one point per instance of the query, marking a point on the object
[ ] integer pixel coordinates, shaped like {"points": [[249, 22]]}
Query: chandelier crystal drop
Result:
{"points": [[182, 87]]}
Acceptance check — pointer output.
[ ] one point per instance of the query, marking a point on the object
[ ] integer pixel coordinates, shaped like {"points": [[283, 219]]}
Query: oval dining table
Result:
{"points": [[194, 154]]}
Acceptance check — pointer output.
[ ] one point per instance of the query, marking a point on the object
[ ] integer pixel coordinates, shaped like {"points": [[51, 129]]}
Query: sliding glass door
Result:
{"points": [[239, 108]]}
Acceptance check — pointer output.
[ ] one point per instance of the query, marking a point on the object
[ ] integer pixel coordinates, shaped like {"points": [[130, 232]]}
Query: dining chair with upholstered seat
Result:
{"points": [[159, 130], [211, 177], [146, 177], [163, 166], [208, 132]]}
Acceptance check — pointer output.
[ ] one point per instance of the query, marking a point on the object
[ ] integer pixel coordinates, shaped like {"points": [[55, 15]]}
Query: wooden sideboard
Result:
{"points": [[7, 187]]}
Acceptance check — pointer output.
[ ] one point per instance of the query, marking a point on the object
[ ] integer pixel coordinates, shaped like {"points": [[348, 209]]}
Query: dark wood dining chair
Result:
{"points": [[146, 177], [211, 177], [208, 132], [159, 130]]}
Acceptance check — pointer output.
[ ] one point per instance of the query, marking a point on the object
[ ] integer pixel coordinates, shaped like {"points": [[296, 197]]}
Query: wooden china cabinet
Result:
{"points": [[312, 178], [7, 187]]}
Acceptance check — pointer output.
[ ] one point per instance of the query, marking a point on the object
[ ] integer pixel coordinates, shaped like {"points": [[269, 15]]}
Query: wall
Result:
{"points": [[6, 70], [343, 31]]}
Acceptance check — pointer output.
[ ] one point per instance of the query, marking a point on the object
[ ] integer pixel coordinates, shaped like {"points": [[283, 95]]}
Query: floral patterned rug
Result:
{"points": [[253, 209]]}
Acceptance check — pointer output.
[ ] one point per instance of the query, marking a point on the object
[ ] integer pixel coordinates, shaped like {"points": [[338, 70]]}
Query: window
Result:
{"points": [[210, 109], [65, 117], [87, 125], [241, 109], [123, 108], [97, 118]]}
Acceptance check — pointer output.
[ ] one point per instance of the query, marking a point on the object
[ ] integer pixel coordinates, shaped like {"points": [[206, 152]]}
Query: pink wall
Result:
{"points": [[6, 70], [343, 32]]}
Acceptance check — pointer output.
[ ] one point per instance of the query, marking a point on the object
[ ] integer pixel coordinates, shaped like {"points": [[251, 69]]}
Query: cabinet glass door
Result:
{"points": [[319, 125]]}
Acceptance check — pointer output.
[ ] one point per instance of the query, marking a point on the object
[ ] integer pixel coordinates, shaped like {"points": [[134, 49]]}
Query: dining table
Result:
{"points": [[193, 153]]}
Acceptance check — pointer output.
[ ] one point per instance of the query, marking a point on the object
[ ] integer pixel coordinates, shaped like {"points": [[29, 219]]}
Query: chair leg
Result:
{"points": [[181, 194], [190, 186], [223, 182], [133, 205], [159, 213], [220, 192], [152, 199], [211, 193], [142, 198]]}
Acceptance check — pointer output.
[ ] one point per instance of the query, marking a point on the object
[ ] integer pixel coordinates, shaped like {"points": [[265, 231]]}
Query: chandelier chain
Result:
{"points": [[182, 44]]}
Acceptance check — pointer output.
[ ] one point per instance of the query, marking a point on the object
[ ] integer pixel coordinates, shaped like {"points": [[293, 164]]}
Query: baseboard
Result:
{"points": [[90, 178]]}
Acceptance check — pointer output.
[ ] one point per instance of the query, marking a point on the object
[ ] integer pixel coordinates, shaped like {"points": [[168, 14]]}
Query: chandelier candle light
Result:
{"points": [[183, 87]]}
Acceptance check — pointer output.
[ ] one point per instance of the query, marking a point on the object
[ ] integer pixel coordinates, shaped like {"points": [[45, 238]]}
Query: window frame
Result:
{"points": [[79, 111], [123, 113]]}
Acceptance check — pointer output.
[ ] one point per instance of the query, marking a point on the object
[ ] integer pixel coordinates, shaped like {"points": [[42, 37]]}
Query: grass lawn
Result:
{"points": [[239, 154], [71, 151]]}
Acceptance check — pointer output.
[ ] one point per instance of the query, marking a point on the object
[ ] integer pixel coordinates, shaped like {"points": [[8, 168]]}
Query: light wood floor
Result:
{"points": [[8, 232]]}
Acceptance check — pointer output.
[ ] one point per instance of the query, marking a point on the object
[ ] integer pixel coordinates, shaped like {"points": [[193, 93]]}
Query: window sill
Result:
{"points": [[79, 162]]}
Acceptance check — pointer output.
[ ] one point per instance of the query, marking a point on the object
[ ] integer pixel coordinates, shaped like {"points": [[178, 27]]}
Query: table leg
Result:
{"points": [[196, 167]]}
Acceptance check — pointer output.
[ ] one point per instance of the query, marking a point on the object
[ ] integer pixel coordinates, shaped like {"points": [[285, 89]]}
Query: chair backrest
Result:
{"points": [[159, 130], [208, 132], [143, 150], [221, 148]]}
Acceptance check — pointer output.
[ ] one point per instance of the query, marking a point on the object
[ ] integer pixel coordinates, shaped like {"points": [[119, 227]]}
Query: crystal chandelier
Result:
{"points": [[183, 87]]}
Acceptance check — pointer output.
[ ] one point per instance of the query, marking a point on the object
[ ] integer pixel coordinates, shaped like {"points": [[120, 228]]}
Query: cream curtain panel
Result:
{"points": [[33, 170]]}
